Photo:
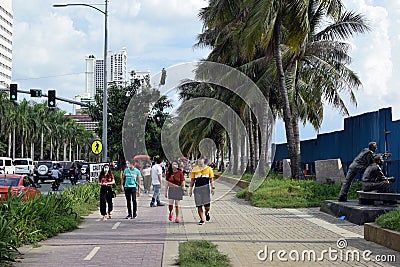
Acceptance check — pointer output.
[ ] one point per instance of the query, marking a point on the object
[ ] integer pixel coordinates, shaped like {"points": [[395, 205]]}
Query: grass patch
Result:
{"points": [[278, 192], [390, 220], [200, 253]]}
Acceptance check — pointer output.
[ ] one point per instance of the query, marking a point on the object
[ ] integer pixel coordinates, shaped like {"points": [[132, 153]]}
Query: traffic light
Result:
{"points": [[51, 98], [36, 92], [13, 92]]}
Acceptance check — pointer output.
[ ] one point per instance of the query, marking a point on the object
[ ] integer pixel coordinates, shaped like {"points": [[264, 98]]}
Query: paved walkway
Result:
{"points": [[240, 231]]}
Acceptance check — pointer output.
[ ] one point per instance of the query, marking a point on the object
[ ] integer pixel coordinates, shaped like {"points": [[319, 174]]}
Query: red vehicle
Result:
{"points": [[19, 184]]}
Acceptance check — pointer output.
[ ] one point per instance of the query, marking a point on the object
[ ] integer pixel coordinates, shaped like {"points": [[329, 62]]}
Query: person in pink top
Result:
{"points": [[106, 180]]}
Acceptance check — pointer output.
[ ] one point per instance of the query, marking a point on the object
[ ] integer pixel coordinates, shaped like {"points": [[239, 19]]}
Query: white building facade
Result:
{"points": [[118, 68], [116, 71], [6, 32]]}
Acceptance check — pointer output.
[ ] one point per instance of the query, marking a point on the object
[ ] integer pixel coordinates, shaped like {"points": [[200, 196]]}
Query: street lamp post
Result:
{"points": [[104, 135]]}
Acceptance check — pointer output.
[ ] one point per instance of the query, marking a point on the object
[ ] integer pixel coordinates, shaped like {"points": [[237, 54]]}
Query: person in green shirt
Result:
{"points": [[130, 184]]}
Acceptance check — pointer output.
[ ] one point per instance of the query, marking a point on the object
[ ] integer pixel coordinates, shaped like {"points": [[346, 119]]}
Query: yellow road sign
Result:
{"points": [[97, 147]]}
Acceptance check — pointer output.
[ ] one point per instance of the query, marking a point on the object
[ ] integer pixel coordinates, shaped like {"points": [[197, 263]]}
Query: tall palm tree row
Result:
{"points": [[33, 130], [294, 50]]}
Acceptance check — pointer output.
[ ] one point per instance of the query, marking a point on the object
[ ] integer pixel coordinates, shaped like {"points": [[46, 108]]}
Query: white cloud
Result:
{"points": [[54, 41]]}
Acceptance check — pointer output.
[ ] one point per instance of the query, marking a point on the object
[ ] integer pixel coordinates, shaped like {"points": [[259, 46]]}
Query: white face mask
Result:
{"points": [[175, 166], [106, 169]]}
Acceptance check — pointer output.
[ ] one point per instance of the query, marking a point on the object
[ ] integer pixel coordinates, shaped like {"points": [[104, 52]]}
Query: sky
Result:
{"points": [[50, 45]]}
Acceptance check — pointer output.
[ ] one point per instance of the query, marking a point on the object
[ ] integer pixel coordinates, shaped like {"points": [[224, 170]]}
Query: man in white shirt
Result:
{"points": [[156, 179]]}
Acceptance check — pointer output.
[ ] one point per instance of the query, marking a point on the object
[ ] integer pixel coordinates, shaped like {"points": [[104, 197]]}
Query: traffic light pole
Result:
{"points": [[57, 97]]}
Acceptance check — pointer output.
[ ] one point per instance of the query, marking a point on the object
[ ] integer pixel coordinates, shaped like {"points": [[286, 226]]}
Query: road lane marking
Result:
{"points": [[91, 254], [116, 225]]}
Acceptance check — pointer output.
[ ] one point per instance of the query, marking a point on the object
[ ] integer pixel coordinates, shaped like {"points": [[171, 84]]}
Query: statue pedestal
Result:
{"points": [[354, 212]]}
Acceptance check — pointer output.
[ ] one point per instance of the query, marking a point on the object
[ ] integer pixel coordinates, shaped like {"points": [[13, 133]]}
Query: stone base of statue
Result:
{"points": [[355, 212]]}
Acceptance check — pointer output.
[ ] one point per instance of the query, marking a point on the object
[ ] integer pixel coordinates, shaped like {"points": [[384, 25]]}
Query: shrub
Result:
{"points": [[390, 220], [28, 222]]}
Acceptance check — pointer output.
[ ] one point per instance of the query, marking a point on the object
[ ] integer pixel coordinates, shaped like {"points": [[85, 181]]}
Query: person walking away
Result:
{"points": [[202, 176], [130, 184], [106, 180], [146, 172], [156, 180], [174, 189], [359, 164]]}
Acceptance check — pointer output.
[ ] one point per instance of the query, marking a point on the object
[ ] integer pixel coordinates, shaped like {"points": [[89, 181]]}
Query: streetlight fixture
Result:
{"points": [[104, 137]]}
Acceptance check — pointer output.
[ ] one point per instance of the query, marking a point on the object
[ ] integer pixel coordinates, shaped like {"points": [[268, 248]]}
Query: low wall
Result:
{"points": [[240, 183], [382, 236]]}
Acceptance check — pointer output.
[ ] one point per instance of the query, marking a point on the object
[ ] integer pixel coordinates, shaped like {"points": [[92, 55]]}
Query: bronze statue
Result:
{"points": [[374, 179], [359, 164]]}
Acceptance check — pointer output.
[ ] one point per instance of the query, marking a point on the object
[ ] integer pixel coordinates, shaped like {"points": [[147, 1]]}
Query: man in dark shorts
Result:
{"points": [[202, 177]]}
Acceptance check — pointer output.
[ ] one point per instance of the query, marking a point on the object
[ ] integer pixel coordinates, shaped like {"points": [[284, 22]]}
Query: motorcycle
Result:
{"points": [[75, 176], [55, 185]]}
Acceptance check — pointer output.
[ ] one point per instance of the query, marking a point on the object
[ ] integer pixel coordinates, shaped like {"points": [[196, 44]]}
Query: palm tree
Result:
{"points": [[266, 24], [324, 49]]}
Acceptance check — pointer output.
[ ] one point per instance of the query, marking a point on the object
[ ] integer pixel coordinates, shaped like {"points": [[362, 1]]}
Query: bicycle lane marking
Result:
{"points": [[116, 225], [91, 254]]}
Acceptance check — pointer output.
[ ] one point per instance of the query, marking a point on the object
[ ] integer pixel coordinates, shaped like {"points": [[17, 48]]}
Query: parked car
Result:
{"points": [[24, 166], [43, 170], [19, 184], [6, 166]]}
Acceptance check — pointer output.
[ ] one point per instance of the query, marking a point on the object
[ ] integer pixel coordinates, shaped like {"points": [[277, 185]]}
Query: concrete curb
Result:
{"points": [[242, 184], [385, 237]]}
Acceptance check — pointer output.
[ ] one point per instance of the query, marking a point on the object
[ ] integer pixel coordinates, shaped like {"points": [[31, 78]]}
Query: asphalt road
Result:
{"points": [[46, 187]]}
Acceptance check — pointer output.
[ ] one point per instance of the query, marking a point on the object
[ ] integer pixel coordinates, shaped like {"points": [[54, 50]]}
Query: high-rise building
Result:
{"points": [[118, 68], [6, 29], [116, 71], [98, 75], [90, 82]]}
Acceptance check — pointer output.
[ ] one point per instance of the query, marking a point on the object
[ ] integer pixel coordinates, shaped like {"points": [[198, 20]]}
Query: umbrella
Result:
{"points": [[141, 157]]}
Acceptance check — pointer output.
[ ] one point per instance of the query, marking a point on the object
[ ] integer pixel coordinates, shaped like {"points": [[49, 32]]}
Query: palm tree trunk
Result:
{"points": [[222, 158], [251, 141], [65, 152], [234, 143], [57, 151], [296, 134], [9, 144], [287, 116], [13, 153], [41, 144], [22, 146], [264, 143], [256, 145], [32, 150], [51, 147], [243, 150], [70, 151]]}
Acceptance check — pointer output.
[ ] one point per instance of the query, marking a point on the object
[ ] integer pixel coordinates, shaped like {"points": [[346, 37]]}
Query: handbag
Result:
{"points": [[113, 194]]}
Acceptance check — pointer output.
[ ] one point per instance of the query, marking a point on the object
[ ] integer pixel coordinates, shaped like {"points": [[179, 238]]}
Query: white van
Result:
{"points": [[6, 166], [24, 166]]}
